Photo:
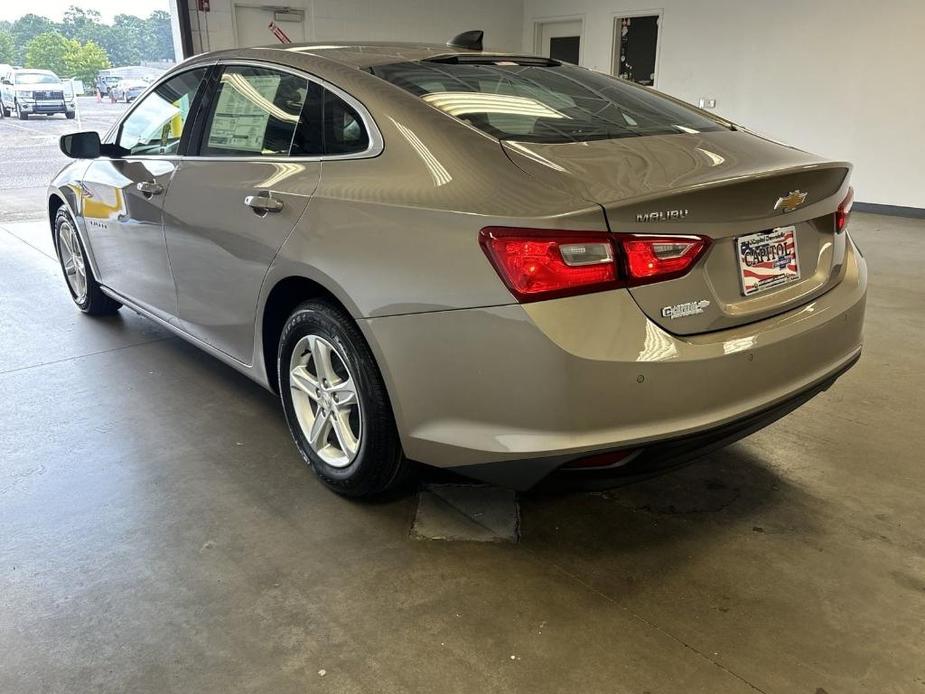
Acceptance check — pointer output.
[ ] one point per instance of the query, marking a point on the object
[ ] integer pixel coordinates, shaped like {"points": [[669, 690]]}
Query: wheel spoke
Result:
{"points": [[301, 380], [341, 423], [319, 431], [321, 355], [81, 285], [66, 238]]}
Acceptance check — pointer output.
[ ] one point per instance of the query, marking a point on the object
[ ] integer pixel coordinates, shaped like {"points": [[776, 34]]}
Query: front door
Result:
{"points": [[232, 204], [122, 197]]}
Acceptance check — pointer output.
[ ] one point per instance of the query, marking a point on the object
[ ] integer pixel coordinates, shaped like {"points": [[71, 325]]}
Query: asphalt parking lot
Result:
{"points": [[31, 156]]}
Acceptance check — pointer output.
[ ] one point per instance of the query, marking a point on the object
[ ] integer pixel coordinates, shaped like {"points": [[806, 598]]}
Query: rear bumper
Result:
{"points": [[539, 385], [664, 455]]}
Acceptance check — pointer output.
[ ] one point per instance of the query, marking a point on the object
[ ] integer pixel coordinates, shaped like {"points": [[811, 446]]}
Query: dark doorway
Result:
{"points": [[636, 48], [565, 48]]}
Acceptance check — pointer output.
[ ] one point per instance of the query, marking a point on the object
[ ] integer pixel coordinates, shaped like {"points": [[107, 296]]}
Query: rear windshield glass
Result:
{"points": [[543, 103]]}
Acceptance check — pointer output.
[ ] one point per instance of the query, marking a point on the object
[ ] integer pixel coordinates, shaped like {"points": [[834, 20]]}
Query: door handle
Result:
{"points": [[261, 204], [149, 188]]}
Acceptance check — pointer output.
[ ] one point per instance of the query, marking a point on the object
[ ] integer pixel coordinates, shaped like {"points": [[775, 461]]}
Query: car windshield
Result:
{"points": [[535, 100], [36, 78]]}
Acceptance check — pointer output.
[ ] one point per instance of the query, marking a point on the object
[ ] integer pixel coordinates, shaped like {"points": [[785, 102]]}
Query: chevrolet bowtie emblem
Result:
{"points": [[791, 201]]}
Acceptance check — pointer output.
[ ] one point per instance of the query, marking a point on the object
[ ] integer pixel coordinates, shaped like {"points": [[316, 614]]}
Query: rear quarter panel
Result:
{"points": [[398, 233]]}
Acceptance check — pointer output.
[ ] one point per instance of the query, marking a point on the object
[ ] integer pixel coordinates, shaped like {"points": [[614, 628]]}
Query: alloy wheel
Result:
{"points": [[72, 260], [325, 400]]}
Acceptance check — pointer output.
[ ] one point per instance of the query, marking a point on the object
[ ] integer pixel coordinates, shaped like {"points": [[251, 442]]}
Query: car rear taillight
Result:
{"points": [[657, 258], [844, 211], [542, 263], [538, 264]]}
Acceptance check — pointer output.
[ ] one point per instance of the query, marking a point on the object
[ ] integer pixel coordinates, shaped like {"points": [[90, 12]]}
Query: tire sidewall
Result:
{"points": [[319, 319]]}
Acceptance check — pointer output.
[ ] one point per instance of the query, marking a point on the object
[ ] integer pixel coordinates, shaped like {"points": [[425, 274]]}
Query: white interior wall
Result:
{"points": [[428, 21], [842, 78]]}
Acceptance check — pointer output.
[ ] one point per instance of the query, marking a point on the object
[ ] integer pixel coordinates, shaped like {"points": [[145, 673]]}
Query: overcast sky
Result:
{"points": [[54, 9]]}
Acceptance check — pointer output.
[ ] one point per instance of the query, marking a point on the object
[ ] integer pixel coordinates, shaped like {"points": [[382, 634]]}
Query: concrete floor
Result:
{"points": [[158, 533]]}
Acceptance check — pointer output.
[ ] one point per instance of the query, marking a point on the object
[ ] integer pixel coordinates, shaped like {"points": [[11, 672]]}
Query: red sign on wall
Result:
{"points": [[278, 32]]}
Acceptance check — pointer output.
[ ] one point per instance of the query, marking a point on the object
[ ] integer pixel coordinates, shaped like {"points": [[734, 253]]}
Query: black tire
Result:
{"points": [[379, 465], [22, 114], [70, 115], [95, 303]]}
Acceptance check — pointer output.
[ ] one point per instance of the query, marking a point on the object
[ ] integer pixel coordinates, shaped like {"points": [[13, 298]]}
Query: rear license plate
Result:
{"points": [[768, 259]]}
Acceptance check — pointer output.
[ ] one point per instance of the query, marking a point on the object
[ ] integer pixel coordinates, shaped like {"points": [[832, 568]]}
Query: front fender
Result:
{"points": [[67, 188]]}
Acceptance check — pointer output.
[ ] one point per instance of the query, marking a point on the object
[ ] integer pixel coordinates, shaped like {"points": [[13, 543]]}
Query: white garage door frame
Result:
{"points": [[540, 22]]}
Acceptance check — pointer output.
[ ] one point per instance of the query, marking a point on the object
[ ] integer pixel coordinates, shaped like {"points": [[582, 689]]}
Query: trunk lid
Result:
{"points": [[722, 185]]}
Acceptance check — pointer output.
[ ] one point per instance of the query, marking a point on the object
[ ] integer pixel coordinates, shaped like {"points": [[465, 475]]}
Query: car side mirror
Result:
{"points": [[84, 145]]}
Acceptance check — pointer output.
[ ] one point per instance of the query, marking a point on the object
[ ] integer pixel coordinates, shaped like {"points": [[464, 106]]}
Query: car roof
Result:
{"points": [[358, 54]]}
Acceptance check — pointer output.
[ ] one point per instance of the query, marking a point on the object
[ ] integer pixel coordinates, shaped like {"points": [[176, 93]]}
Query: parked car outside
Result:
{"points": [[128, 90], [104, 83], [28, 91], [501, 264]]}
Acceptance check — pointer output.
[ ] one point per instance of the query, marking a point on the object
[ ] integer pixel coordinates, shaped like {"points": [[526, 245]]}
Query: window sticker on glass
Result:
{"points": [[244, 107]]}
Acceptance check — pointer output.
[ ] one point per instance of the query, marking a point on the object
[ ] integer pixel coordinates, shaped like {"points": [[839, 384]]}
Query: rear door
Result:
{"points": [[238, 195], [122, 197]]}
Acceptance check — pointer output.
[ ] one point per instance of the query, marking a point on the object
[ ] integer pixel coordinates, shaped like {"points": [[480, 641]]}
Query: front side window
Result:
{"points": [[156, 125], [544, 101], [255, 112]]}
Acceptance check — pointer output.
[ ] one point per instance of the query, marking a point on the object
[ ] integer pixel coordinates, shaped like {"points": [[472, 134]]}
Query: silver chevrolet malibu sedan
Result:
{"points": [[502, 264]]}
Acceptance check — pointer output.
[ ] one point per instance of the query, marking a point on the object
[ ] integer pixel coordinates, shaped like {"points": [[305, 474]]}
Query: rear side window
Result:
{"points": [[254, 112], [344, 132], [330, 126], [536, 101]]}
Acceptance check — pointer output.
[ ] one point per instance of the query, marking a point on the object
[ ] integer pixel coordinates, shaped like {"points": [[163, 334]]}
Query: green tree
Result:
{"points": [[84, 61], [7, 47], [82, 25], [48, 51], [159, 45], [27, 28], [126, 39]]}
